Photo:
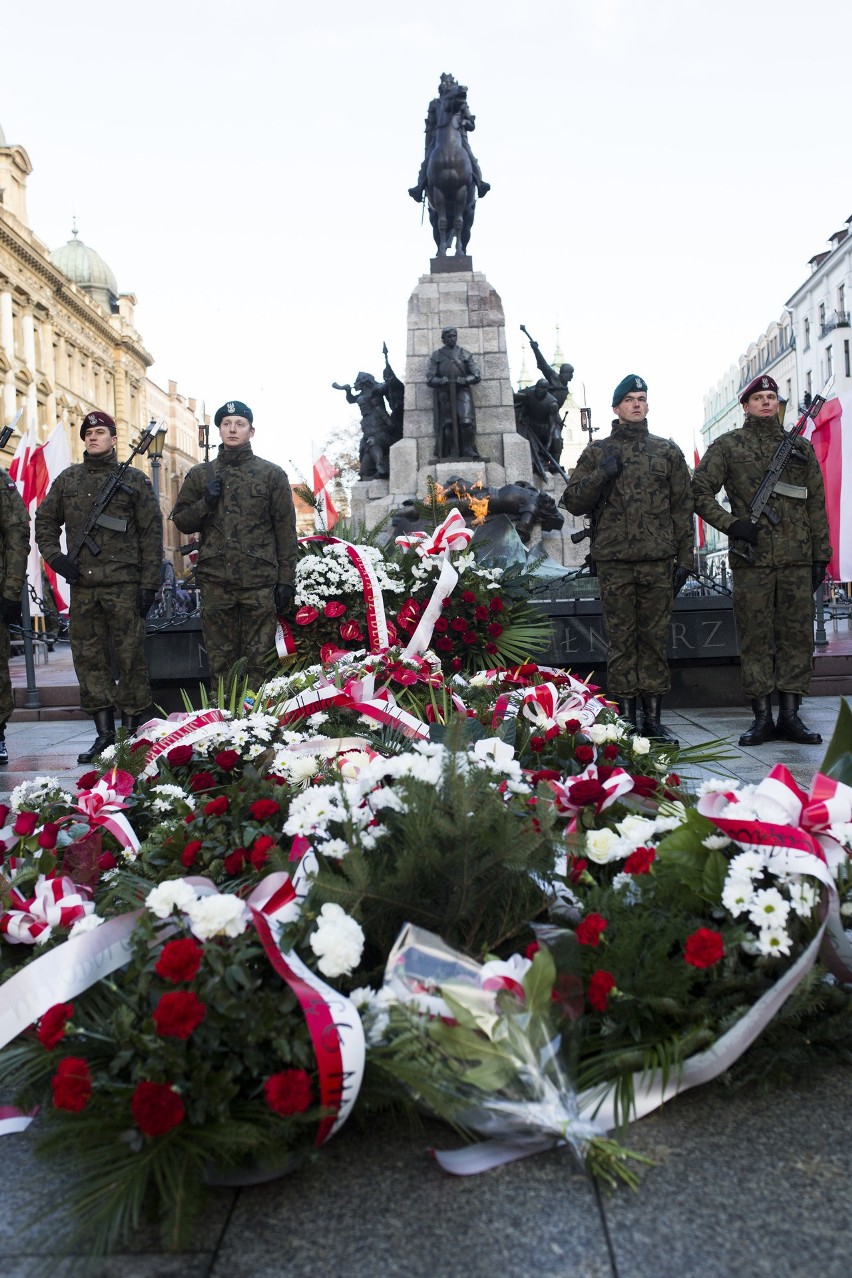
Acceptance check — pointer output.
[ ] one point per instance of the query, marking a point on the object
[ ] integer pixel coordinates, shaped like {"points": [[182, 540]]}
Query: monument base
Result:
{"points": [[450, 265]]}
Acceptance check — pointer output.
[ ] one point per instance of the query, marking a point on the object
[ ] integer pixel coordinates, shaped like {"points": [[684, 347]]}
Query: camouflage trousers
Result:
{"points": [[637, 607], [238, 621], [98, 615], [6, 699], [774, 611]]}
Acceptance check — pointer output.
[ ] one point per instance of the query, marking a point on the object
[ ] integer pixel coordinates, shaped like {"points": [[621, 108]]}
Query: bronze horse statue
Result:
{"points": [[450, 186]]}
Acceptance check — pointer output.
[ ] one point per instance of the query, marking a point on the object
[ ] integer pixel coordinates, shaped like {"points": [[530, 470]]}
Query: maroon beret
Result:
{"points": [[96, 419], [762, 383]]}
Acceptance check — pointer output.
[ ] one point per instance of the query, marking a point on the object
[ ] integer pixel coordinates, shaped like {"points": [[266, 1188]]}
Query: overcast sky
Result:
{"points": [[661, 172]]}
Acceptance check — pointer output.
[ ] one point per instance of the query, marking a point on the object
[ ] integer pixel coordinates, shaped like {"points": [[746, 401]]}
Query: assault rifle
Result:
{"points": [[8, 431], [771, 482], [97, 516]]}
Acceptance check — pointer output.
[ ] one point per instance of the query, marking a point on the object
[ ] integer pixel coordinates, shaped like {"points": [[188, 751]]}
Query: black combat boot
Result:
{"points": [[130, 722], [627, 710], [762, 729], [105, 724], [4, 753], [651, 726], [790, 726]]}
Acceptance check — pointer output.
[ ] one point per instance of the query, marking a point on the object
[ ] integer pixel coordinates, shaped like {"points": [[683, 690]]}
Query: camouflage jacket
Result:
{"points": [[249, 537], [646, 511], [132, 557], [14, 538], [737, 462]]}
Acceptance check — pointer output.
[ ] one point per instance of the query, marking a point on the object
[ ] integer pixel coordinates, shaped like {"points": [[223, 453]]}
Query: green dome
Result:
{"points": [[88, 270]]}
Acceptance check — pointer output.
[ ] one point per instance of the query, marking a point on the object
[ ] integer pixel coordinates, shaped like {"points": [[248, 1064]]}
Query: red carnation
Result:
{"points": [[156, 1108], [263, 809], [180, 755], [583, 792], [179, 960], [673, 779], [481, 612], [4, 810], [51, 1027], [532, 948], [577, 868], [227, 760], [235, 860], [600, 985], [640, 861], [591, 929], [25, 823], [217, 806], [48, 835], [202, 781], [351, 632], [306, 616], [494, 629], [71, 1084], [704, 948], [85, 782], [288, 1092], [610, 751], [189, 853], [178, 1014], [496, 604], [263, 843], [334, 608], [468, 596]]}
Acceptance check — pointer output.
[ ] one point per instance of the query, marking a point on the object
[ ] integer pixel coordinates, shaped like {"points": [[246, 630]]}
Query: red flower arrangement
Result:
{"points": [[288, 1092], [704, 948], [601, 984], [591, 929], [178, 1014], [51, 1029], [179, 960], [156, 1108], [72, 1084]]}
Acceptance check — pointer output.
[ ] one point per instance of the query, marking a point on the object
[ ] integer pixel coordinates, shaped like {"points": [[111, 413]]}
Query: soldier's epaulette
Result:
{"points": [[7, 479]]}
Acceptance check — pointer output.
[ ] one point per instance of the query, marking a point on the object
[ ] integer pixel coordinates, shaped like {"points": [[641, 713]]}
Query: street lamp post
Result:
{"points": [[155, 455]]}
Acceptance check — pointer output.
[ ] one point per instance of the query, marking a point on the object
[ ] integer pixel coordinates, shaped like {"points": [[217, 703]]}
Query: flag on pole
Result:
{"points": [[326, 513], [34, 468], [699, 522], [22, 471], [834, 454]]}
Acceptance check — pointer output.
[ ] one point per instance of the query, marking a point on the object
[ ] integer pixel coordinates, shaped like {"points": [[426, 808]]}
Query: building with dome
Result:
{"points": [[69, 342]]}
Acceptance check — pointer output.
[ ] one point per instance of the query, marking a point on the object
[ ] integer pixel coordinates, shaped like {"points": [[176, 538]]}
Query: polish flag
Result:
{"points": [[326, 515], [834, 454], [699, 523], [23, 473], [34, 468]]}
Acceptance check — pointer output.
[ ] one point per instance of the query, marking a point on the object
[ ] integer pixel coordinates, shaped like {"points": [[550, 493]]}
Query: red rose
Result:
{"points": [[217, 806], [263, 809], [4, 810], [583, 792], [227, 760], [572, 726], [468, 596], [288, 1092], [645, 786], [156, 1108], [25, 823], [446, 601], [470, 637], [334, 608], [584, 754], [180, 755], [597, 992], [704, 948], [189, 818], [85, 782], [106, 861], [490, 647], [178, 1014], [442, 625], [673, 779], [48, 835], [495, 629], [51, 1027], [71, 1084], [306, 616], [481, 612], [235, 860], [202, 781], [444, 644], [179, 960], [350, 631], [496, 604], [610, 751], [591, 929], [458, 623], [640, 861], [537, 744], [455, 664], [189, 853]]}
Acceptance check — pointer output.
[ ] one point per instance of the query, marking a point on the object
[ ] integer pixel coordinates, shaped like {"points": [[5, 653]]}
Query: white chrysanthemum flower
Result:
{"points": [[301, 767], [640, 745], [636, 830], [773, 940], [174, 894], [335, 849], [747, 865], [803, 898], [715, 842], [109, 753], [88, 924], [671, 822], [218, 915], [319, 717], [34, 791], [737, 895], [768, 908], [842, 832], [338, 941], [717, 785], [603, 845]]}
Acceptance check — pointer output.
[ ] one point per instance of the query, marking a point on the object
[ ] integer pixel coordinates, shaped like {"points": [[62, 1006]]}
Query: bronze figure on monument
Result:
{"points": [[450, 176], [378, 429], [451, 373]]}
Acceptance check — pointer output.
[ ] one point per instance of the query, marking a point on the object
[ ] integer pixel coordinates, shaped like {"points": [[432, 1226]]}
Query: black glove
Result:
{"points": [[284, 597], [11, 611], [818, 572], [612, 465], [66, 567], [743, 530], [145, 601], [212, 492], [680, 576]]}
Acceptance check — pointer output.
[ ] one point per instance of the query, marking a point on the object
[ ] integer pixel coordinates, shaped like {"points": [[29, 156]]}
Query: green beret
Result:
{"points": [[632, 382], [233, 408]]}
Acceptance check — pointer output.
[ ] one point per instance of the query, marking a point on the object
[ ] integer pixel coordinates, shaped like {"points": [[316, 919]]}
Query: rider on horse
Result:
{"points": [[467, 124]]}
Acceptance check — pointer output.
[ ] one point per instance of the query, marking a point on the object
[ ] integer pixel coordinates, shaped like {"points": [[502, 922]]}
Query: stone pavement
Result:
{"points": [[742, 1186]]}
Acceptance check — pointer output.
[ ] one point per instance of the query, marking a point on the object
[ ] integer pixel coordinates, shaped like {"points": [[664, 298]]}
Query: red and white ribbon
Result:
{"points": [[377, 626], [617, 783], [359, 695], [57, 902], [103, 805], [188, 728]]}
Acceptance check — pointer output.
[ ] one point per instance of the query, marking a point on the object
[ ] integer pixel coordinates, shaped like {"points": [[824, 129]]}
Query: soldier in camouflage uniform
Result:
{"points": [[635, 488], [14, 548], [242, 508], [111, 593], [776, 568]]}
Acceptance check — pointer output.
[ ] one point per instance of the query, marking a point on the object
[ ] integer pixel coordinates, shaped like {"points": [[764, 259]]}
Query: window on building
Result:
{"points": [[822, 314], [806, 335], [846, 358], [829, 362], [789, 388], [841, 298], [809, 383]]}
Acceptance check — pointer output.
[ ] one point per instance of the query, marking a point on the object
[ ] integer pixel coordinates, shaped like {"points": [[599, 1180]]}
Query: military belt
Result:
{"points": [[791, 490]]}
